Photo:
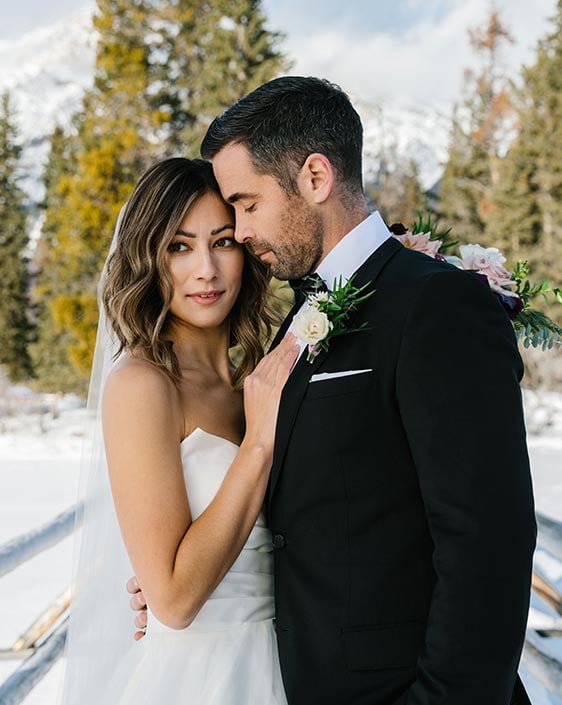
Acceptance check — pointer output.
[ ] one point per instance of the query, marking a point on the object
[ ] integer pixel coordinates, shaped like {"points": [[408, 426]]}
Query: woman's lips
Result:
{"points": [[206, 297]]}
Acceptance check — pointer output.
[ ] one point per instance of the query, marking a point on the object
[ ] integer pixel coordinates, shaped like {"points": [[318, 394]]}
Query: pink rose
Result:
{"points": [[420, 242], [488, 261]]}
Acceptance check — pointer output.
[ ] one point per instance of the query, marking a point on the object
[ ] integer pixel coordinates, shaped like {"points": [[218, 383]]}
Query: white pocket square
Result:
{"points": [[333, 375]]}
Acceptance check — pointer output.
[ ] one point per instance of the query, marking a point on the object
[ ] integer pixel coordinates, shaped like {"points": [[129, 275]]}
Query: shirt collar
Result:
{"points": [[353, 249]]}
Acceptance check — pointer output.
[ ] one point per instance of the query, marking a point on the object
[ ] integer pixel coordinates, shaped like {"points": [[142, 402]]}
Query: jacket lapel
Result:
{"points": [[283, 327], [373, 266], [297, 383], [291, 399]]}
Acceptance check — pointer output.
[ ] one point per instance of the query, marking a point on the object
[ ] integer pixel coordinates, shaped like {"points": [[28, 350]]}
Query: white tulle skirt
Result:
{"points": [[229, 665]]}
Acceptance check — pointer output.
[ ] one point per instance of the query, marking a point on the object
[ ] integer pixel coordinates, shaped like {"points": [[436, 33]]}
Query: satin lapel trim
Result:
{"points": [[297, 383], [283, 328]]}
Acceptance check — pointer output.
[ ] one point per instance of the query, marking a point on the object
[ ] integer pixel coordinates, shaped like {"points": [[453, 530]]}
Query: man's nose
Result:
{"points": [[243, 233]]}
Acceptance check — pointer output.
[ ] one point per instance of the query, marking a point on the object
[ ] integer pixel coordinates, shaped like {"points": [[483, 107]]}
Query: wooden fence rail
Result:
{"points": [[26, 546], [20, 683], [550, 535], [543, 666]]}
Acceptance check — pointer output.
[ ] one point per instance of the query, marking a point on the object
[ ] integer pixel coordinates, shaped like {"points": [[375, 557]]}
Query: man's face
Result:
{"points": [[284, 231]]}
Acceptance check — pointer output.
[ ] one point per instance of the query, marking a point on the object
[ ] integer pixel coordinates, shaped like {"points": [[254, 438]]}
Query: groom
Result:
{"points": [[400, 498]]}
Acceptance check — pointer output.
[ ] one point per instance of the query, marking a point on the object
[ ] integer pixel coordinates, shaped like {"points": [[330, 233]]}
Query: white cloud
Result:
{"points": [[424, 65]]}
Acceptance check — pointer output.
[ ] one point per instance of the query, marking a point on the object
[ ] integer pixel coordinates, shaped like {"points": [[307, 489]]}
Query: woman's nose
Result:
{"points": [[206, 267]]}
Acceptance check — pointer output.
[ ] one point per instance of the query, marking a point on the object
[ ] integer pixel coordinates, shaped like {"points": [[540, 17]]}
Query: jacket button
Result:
{"points": [[278, 541]]}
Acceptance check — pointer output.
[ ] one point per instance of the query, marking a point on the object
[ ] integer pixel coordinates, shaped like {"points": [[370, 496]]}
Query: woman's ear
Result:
{"points": [[316, 178]]}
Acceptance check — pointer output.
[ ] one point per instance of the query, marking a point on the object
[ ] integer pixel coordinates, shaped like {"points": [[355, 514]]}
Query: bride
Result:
{"points": [[187, 456]]}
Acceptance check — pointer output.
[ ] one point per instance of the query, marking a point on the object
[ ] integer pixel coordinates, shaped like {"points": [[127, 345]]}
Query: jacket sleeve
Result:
{"points": [[458, 376]]}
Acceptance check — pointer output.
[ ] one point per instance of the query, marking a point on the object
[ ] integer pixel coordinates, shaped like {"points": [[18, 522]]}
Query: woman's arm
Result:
{"points": [[179, 562]]}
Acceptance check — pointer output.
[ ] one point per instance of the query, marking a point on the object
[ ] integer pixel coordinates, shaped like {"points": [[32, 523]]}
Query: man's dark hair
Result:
{"points": [[284, 121]]}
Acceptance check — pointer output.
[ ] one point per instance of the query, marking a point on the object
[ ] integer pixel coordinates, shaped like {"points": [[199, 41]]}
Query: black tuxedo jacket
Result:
{"points": [[400, 500]]}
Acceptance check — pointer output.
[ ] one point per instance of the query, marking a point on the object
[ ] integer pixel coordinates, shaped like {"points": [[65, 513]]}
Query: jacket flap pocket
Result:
{"points": [[384, 646]]}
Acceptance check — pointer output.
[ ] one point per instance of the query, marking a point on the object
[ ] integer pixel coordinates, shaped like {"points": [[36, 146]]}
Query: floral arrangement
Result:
{"points": [[327, 315], [514, 289]]}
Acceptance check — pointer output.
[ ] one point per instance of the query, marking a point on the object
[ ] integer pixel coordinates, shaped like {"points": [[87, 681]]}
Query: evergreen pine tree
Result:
{"points": [[15, 327], [527, 215], [112, 144], [210, 54], [478, 131], [49, 352]]}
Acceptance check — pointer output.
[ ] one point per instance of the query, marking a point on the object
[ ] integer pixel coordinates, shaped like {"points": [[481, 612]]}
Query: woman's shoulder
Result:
{"points": [[136, 380]]}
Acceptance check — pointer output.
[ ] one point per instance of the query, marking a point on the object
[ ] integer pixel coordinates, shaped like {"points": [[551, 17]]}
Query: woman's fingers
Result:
{"points": [[133, 585], [137, 602], [141, 620], [279, 359]]}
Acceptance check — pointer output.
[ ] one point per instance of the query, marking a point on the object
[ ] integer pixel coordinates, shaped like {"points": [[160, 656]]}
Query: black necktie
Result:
{"points": [[310, 284]]}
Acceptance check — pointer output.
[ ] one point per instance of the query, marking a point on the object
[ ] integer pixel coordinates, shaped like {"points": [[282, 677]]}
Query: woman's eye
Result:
{"points": [[250, 209], [177, 247], [225, 242]]}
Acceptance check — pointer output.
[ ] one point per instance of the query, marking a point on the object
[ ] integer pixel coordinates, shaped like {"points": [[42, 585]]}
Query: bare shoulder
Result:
{"points": [[136, 379], [137, 393]]}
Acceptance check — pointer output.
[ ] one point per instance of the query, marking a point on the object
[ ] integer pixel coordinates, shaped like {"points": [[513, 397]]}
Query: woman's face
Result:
{"points": [[205, 263]]}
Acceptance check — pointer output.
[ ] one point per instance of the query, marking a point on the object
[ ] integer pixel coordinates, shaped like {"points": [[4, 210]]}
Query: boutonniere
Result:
{"points": [[327, 315]]}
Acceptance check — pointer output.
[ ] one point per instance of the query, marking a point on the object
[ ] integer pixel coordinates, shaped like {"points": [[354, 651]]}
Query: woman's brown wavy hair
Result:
{"points": [[136, 288]]}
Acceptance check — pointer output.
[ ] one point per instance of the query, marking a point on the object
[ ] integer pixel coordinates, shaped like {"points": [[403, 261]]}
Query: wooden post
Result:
{"points": [[44, 622], [548, 594]]}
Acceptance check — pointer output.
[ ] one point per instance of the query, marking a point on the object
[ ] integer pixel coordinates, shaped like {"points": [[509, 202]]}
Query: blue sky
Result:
{"points": [[381, 50], [362, 16]]}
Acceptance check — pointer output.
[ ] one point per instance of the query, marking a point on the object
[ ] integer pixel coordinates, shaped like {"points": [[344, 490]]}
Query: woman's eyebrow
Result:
{"points": [[216, 231], [228, 226]]}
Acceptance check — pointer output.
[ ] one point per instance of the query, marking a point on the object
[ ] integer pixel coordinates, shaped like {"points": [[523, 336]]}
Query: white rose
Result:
{"points": [[488, 261], [453, 259], [476, 252], [311, 325]]}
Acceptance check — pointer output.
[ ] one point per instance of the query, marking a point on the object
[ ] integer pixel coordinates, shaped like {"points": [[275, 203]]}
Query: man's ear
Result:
{"points": [[316, 178]]}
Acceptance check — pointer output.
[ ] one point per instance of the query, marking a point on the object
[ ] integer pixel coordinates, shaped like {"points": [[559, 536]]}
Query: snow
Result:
{"points": [[39, 469]]}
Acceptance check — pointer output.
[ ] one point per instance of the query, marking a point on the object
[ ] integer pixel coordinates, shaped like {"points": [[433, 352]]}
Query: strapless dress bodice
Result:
{"points": [[245, 594]]}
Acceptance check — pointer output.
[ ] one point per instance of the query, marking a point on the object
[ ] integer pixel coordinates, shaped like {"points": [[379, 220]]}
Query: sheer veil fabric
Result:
{"points": [[101, 622]]}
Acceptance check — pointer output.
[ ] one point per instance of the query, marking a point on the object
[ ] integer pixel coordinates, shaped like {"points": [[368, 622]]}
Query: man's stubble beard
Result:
{"points": [[301, 247]]}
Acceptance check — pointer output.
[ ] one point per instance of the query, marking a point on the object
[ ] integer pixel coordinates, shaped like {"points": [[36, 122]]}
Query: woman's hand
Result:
{"points": [[262, 393], [138, 604]]}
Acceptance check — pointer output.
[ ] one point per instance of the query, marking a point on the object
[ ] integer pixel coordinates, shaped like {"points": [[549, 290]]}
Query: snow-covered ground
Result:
{"points": [[39, 468]]}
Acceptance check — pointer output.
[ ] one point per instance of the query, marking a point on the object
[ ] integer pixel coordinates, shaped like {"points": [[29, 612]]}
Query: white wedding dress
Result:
{"points": [[228, 654]]}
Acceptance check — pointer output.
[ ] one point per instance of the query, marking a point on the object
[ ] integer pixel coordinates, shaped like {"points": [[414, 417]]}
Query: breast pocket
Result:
{"points": [[348, 384]]}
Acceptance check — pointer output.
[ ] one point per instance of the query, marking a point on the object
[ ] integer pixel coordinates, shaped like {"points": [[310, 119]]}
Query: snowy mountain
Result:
{"points": [[47, 71]]}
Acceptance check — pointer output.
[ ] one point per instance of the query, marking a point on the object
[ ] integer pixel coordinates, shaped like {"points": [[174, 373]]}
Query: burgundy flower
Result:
{"points": [[398, 229]]}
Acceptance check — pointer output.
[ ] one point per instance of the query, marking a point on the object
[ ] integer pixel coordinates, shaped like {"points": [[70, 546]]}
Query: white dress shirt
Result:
{"points": [[350, 253]]}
